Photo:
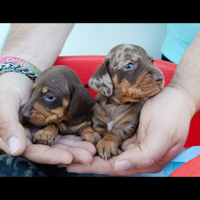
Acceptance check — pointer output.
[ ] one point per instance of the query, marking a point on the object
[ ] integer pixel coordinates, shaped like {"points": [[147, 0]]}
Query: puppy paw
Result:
{"points": [[92, 137], [107, 148], [43, 137]]}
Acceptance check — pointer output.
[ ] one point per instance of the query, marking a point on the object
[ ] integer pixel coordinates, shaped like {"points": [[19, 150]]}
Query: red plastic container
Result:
{"points": [[189, 169], [85, 66]]}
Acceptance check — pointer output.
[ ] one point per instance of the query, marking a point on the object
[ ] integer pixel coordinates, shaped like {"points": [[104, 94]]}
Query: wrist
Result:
{"points": [[18, 65], [39, 63], [183, 90], [16, 85]]}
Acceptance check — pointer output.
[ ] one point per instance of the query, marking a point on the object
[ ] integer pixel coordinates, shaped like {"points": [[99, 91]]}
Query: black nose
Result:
{"points": [[157, 77], [26, 111]]}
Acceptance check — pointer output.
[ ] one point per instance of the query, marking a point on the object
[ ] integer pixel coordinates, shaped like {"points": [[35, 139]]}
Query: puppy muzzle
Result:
{"points": [[157, 77], [26, 111]]}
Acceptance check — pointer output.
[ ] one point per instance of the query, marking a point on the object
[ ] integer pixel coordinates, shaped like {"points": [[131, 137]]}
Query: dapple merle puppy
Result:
{"points": [[126, 76]]}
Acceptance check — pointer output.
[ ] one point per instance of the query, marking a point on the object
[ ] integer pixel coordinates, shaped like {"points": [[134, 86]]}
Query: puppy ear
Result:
{"points": [[101, 80], [81, 102]]}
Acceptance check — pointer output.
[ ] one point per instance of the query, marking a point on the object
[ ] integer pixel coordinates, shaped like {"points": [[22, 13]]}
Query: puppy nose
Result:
{"points": [[26, 112], [157, 77]]}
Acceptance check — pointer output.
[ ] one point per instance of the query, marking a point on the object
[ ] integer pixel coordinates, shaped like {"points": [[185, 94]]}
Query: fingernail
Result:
{"points": [[123, 165], [13, 144]]}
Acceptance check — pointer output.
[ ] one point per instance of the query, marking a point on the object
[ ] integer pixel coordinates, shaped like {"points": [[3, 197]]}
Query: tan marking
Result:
{"points": [[150, 58], [101, 118], [109, 144], [46, 135], [144, 87], [100, 130], [88, 134], [42, 116], [45, 90], [134, 58], [33, 87], [127, 118]]}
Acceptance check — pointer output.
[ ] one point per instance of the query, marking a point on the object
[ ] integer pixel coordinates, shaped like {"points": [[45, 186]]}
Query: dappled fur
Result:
{"points": [[121, 94]]}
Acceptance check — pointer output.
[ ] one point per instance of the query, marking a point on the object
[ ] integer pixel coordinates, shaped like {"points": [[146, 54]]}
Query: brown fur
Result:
{"points": [[60, 103], [120, 94], [46, 135], [42, 116]]}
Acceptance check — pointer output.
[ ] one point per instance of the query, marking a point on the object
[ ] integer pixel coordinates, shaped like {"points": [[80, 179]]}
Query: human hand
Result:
{"points": [[15, 91], [162, 132], [64, 150]]}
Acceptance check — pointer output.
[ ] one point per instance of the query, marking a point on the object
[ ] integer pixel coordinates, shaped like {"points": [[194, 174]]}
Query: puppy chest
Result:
{"points": [[109, 125], [113, 115]]}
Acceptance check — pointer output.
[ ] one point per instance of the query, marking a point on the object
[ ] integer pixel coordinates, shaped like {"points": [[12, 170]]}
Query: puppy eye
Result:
{"points": [[129, 66], [49, 97]]}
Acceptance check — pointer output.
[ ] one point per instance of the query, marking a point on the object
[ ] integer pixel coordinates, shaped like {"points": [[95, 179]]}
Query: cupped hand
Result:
{"points": [[163, 129], [65, 150], [15, 90]]}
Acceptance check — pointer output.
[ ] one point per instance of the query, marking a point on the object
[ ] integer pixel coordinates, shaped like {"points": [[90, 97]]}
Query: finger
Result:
{"points": [[61, 165], [74, 142], [97, 166], [101, 166], [128, 141], [46, 155], [70, 137], [12, 135], [142, 155], [15, 91], [79, 154], [11, 131], [137, 163]]}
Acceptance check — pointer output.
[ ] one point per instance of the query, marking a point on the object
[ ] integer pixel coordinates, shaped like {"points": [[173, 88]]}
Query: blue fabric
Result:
{"points": [[177, 40], [11, 166], [184, 156], [21, 167]]}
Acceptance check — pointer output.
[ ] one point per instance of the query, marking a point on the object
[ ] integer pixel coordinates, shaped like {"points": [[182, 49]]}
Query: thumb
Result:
{"points": [[142, 155], [12, 134]]}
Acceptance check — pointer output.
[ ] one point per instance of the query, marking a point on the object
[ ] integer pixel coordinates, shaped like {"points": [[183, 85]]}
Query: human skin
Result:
{"points": [[39, 44], [164, 124]]}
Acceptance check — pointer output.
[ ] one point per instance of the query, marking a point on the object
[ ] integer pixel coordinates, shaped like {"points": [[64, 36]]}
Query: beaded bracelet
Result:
{"points": [[18, 65]]}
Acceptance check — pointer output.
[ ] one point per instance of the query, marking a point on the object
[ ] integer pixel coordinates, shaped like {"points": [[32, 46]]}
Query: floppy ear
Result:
{"points": [[81, 102], [101, 80]]}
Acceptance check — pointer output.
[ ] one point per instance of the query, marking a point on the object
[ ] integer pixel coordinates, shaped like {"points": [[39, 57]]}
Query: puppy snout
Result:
{"points": [[26, 112], [157, 77]]}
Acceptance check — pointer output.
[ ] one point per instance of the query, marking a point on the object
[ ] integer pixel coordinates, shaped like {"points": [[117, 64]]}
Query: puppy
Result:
{"points": [[126, 76], [60, 104]]}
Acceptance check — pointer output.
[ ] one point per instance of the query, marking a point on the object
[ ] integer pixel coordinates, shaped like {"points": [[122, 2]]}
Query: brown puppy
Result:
{"points": [[126, 76], [60, 103]]}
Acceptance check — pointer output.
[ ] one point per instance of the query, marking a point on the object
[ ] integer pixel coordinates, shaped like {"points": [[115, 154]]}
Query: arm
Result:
{"points": [[39, 44], [187, 74], [164, 124]]}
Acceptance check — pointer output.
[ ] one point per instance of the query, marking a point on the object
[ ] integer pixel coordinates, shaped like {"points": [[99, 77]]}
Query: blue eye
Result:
{"points": [[129, 66], [49, 97]]}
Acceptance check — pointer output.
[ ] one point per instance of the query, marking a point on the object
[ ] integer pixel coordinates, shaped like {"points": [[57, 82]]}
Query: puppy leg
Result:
{"points": [[110, 143], [88, 134], [46, 135], [99, 126]]}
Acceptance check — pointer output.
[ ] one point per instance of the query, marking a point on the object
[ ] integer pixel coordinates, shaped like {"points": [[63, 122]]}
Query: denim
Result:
{"points": [[18, 166]]}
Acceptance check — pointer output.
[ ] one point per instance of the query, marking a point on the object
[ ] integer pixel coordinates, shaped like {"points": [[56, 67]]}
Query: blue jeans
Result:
{"points": [[19, 166]]}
